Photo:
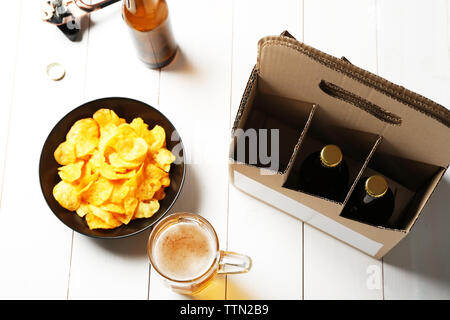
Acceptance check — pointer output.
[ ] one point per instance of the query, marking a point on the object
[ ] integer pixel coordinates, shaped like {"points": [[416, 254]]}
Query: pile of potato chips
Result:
{"points": [[112, 171]]}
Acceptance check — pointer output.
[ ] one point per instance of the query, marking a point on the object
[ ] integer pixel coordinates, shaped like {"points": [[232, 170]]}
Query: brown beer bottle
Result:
{"points": [[148, 21], [372, 201], [325, 173]]}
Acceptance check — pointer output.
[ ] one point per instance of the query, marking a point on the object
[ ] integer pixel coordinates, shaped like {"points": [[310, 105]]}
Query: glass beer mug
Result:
{"points": [[183, 248]]}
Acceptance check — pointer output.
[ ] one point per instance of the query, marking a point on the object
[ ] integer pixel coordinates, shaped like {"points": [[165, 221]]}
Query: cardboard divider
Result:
{"points": [[269, 130], [356, 147], [420, 199], [246, 104], [409, 180]]}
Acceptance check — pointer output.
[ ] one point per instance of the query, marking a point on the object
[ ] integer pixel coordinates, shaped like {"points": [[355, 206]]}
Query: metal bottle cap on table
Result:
{"points": [[55, 71]]}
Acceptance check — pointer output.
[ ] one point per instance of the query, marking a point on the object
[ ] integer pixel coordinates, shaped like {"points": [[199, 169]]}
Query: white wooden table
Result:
{"points": [[407, 42]]}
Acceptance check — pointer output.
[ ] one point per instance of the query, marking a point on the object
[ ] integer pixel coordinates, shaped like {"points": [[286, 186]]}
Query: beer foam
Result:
{"points": [[184, 251]]}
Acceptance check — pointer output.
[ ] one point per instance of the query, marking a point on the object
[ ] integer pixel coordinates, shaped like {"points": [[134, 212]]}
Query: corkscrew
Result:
{"points": [[67, 14]]}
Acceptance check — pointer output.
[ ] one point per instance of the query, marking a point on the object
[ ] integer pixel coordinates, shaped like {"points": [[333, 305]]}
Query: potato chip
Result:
{"points": [[155, 138], [106, 134], [146, 190], [120, 191], [136, 180], [109, 172], [81, 128], [140, 127], [95, 161], [160, 194], [113, 207], [112, 172], [99, 191], [158, 139], [95, 222], [105, 117], [164, 158], [165, 181], [85, 135], [146, 210], [121, 132], [121, 140], [67, 195], [132, 149], [118, 163], [88, 176], [154, 172], [106, 216], [71, 172], [82, 210], [123, 218], [65, 153], [83, 189], [130, 204], [154, 179]]}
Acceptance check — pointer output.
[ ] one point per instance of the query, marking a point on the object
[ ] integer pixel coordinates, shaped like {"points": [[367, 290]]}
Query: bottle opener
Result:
{"points": [[67, 14]]}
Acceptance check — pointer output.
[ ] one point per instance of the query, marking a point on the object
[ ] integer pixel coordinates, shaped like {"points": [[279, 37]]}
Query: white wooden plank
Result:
{"points": [[113, 68], [413, 45], [419, 266], [34, 244], [343, 28], [252, 21], [274, 242], [109, 269], [414, 42], [9, 27], [334, 270], [271, 238], [195, 96], [117, 269]]}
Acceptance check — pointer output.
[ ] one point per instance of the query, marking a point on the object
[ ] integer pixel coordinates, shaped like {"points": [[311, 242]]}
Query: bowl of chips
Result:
{"points": [[112, 167]]}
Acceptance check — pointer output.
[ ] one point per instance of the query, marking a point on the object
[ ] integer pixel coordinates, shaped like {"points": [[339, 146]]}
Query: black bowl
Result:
{"points": [[127, 109]]}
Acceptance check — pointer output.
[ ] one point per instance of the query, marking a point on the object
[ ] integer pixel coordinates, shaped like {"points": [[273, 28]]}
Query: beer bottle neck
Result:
{"points": [[143, 6], [145, 15]]}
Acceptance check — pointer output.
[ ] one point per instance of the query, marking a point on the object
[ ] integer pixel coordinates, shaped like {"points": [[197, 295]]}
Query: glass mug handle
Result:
{"points": [[234, 263]]}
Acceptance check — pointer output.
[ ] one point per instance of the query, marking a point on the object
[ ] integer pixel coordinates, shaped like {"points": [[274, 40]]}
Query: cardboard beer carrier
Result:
{"points": [[316, 99]]}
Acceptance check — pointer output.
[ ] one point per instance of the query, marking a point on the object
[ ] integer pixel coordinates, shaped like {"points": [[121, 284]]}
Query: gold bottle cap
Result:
{"points": [[55, 71], [331, 155], [376, 186]]}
